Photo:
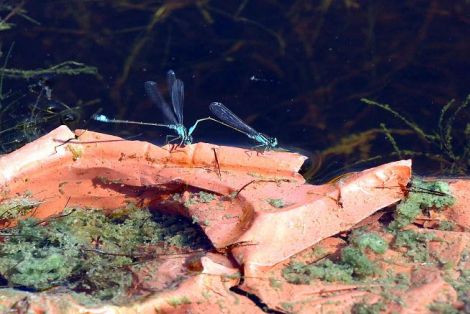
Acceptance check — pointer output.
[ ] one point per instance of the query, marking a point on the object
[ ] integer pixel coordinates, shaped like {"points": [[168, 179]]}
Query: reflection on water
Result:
{"points": [[295, 70]]}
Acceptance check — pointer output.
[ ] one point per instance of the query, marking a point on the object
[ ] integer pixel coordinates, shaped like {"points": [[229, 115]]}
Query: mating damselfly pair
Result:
{"points": [[175, 116]]}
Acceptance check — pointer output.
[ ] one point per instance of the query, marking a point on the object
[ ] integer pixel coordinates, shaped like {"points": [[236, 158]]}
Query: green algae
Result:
{"points": [[369, 240], [205, 197], [288, 306], [301, 273], [442, 308], [423, 195], [275, 283], [416, 244], [364, 308], [361, 265], [462, 283], [15, 207], [178, 300], [276, 202], [446, 225], [196, 198], [88, 252], [353, 264]]}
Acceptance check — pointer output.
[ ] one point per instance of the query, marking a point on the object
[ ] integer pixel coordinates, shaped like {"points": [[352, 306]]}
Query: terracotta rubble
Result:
{"points": [[255, 208]]}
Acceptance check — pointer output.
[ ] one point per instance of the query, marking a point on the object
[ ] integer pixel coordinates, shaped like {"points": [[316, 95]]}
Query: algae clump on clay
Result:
{"points": [[422, 195], [87, 251]]}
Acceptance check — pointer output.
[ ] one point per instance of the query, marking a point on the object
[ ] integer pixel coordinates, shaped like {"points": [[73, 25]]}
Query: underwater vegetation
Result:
{"points": [[30, 109], [26, 114], [89, 252], [323, 58], [449, 146], [443, 150], [29, 113]]}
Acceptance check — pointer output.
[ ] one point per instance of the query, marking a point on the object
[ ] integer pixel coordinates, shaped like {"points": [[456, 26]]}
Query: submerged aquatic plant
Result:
{"points": [[443, 138], [447, 144], [23, 120], [64, 68], [9, 11]]}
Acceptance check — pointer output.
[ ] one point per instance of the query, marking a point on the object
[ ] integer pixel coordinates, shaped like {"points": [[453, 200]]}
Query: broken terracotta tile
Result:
{"points": [[252, 206], [313, 213], [269, 284], [445, 248], [449, 246], [98, 170], [428, 287]]}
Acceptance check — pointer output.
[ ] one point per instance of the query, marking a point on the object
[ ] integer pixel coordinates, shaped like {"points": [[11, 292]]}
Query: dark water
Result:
{"points": [[295, 70]]}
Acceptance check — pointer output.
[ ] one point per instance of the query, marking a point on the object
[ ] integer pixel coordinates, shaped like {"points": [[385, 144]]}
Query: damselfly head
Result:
{"points": [[187, 138], [100, 117]]}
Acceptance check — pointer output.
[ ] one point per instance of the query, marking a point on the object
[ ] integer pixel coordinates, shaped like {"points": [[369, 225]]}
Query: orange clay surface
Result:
{"points": [[255, 208]]}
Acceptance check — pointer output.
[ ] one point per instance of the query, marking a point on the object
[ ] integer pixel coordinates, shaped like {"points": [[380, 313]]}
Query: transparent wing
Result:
{"points": [[227, 116], [176, 88], [171, 78], [177, 99], [154, 94]]}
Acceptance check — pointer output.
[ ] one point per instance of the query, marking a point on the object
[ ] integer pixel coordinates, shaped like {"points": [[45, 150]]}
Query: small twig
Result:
{"points": [[257, 181], [57, 216], [219, 174]]}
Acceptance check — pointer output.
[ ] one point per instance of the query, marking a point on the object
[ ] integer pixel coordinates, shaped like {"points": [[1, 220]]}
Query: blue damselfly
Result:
{"points": [[174, 117], [228, 118]]}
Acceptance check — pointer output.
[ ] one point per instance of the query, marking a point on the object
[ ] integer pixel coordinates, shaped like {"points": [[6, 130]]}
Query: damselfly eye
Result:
{"points": [[274, 142]]}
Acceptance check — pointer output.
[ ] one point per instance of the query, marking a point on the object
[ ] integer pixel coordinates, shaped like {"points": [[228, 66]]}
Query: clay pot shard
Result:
{"points": [[312, 213], [89, 169], [236, 195], [253, 204]]}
